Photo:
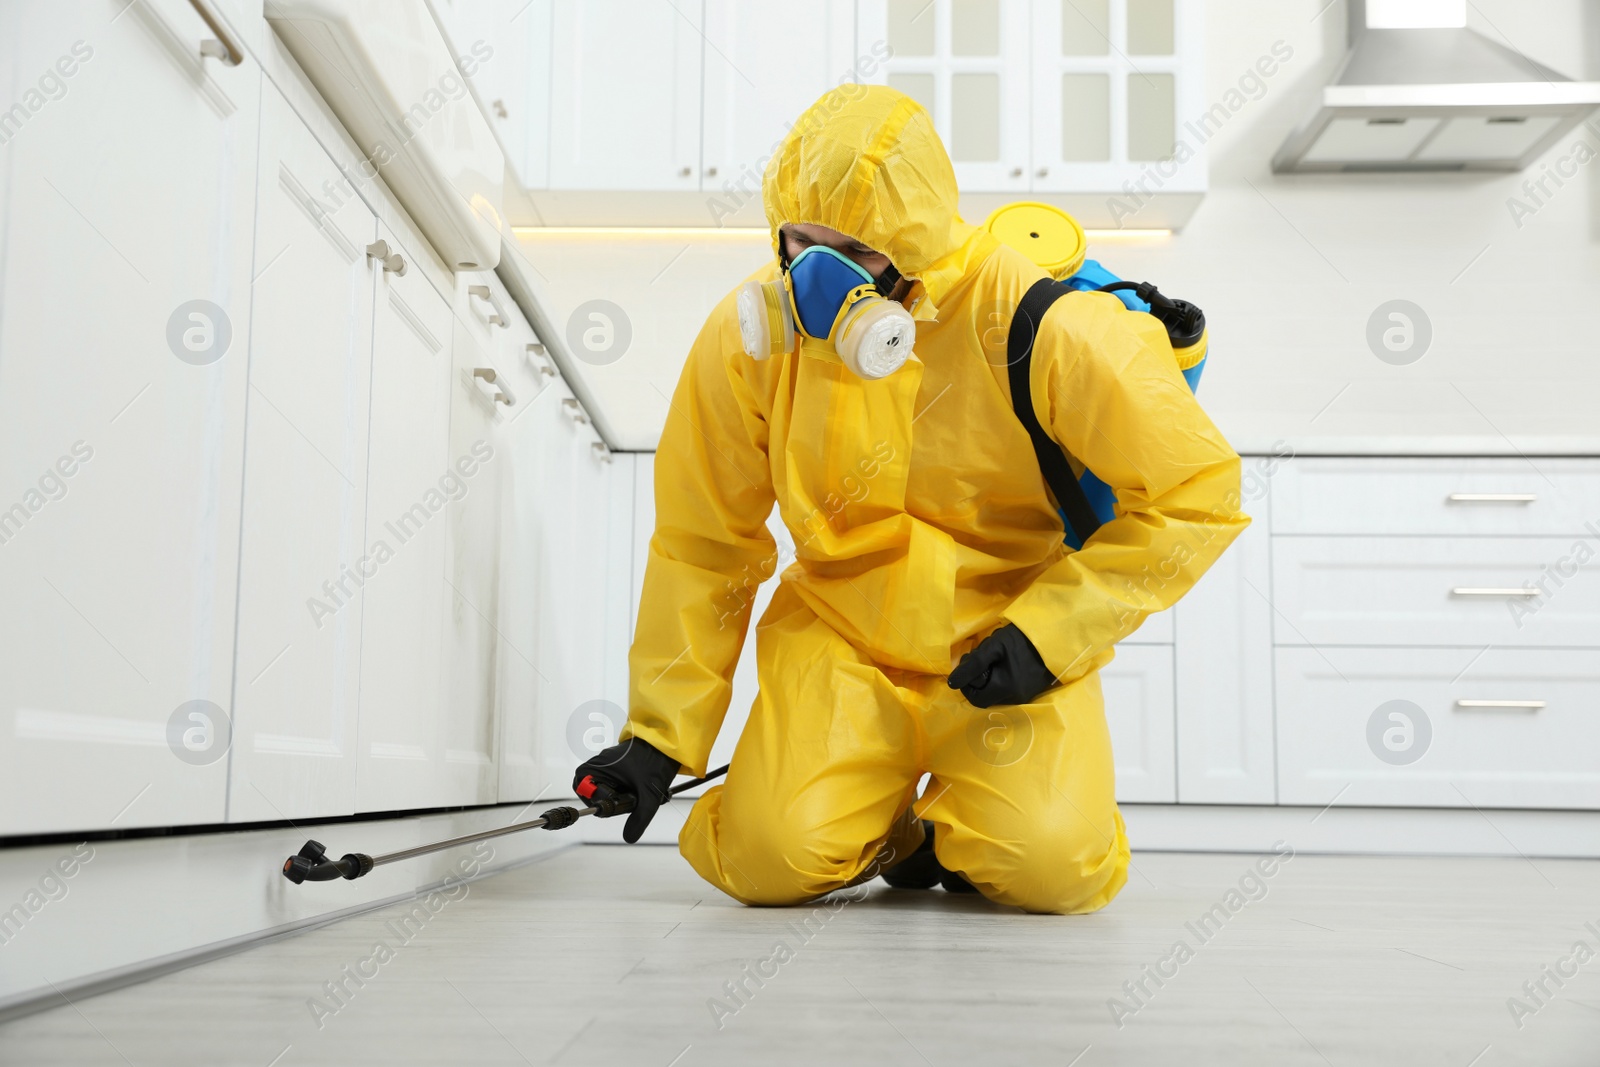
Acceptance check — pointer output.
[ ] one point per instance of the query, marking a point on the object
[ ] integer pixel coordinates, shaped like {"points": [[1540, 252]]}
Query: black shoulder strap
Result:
{"points": [[1052, 460]]}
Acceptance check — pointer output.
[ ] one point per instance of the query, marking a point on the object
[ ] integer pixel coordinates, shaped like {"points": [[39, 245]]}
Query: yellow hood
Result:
{"points": [[865, 160]]}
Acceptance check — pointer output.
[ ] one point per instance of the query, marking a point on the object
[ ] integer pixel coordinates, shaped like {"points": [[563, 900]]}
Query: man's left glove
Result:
{"points": [[1005, 668], [636, 768]]}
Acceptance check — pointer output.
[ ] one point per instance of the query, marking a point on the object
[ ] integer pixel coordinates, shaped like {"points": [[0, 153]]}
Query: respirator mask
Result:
{"points": [[825, 295]]}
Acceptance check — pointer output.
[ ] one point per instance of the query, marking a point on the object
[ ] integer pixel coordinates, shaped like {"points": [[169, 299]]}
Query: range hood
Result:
{"points": [[1420, 91]]}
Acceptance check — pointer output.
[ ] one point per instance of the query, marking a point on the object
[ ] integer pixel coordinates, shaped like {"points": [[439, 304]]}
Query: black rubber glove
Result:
{"points": [[1005, 668], [635, 768]]}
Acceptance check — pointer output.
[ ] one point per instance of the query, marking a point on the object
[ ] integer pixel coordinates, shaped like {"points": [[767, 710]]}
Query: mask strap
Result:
{"points": [[887, 280]]}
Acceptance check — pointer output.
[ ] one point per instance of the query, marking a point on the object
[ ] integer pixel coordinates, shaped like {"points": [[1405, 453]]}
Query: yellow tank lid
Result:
{"points": [[1042, 232]]}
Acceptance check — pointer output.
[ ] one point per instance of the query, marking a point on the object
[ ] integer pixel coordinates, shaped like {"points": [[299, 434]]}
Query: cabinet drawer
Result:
{"points": [[1436, 591], [1399, 726], [1438, 496], [1140, 711]]}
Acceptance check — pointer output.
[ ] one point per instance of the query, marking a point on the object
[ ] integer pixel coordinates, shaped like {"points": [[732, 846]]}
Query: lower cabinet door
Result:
{"points": [[1223, 655], [472, 644], [579, 712], [125, 267], [1139, 710], [304, 518], [521, 457], [401, 754], [1431, 727]]}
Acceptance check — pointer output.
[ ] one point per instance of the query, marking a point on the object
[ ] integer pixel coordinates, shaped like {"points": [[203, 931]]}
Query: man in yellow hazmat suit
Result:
{"points": [[930, 579]]}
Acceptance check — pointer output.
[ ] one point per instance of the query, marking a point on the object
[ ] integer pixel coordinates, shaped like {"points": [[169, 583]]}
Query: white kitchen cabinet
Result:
{"points": [[579, 710], [1438, 496], [1096, 104], [617, 571], [764, 65], [967, 62], [305, 484], [1138, 691], [472, 645], [124, 201], [521, 461], [603, 133], [1223, 643], [1467, 591], [1113, 82], [503, 46], [551, 440], [401, 746], [1494, 728], [1053, 96]]}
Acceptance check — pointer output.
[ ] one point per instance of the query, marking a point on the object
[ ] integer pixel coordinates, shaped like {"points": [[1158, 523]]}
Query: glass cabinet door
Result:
{"points": [[1111, 80], [966, 61], [1054, 96]]}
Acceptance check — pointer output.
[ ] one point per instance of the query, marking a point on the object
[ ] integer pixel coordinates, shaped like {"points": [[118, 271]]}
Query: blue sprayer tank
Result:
{"points": [[1054, 240]]}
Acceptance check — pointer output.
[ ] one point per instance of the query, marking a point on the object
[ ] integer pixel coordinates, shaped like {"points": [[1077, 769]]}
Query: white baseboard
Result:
{"points": [[1255, 828], [143, 906]]}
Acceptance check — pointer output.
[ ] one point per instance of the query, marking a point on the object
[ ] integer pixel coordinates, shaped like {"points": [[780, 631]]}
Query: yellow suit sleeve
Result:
{"points": [[1106, 387], [710, 550]]}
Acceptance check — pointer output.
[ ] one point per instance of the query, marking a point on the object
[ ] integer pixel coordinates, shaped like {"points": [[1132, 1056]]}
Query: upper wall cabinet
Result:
{"points": [[764, 65], [625, 108], [1111, 79], [1078, 100], [966, 61], [503, 49], [666, 113]]}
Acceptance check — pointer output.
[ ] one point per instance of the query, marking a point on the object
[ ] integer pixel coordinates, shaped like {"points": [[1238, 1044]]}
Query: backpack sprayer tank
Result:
{"points": [[1053, 239]]}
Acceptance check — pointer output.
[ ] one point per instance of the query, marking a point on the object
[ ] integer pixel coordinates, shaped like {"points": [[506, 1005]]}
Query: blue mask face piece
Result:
{"points": [[821, 278]]}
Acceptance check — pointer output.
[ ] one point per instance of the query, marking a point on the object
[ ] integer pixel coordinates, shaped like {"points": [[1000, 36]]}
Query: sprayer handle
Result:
{"points": [[605, 800]]}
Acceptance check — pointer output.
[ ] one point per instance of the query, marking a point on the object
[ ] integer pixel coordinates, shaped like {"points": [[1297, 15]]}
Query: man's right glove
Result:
{"points": [[635, 768], [1005, 668]]}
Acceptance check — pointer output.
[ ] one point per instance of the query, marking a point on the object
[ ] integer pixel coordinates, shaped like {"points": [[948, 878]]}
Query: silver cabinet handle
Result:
{"points": [[1043, 172], [538, 353], [601, 452], [499, 109], [222, 46], [1491, 498], [575, 410], [684, 172], [502, 395], [1467, 590], [1520, 705], [484, 293], [1016, 172], [393, 262]]}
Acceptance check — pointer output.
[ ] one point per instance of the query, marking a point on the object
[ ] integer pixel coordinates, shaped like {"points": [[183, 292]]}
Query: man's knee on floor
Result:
{"points": [[787, 861], [1064, 867]]}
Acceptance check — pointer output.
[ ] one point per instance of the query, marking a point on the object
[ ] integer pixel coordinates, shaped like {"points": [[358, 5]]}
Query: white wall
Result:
{"points": [[1288, 269]]}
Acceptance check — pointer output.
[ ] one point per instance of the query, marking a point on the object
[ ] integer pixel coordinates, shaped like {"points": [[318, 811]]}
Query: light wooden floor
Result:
{"points": [[610, 955]]}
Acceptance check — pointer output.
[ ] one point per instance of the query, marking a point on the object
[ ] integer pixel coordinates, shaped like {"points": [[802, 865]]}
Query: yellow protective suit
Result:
{"points": [[921, 523]]}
